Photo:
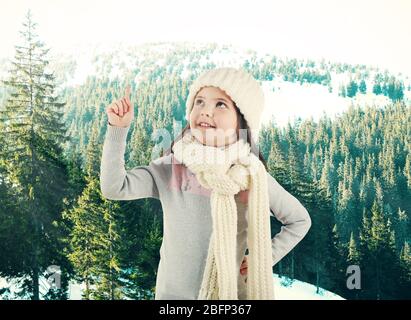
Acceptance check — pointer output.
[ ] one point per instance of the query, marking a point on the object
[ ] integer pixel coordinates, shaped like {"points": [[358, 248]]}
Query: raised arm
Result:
{"points": [[292, 214], [115, 182]]}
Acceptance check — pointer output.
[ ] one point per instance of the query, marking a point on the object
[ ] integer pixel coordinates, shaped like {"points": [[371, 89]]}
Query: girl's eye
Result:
{"points": [[199, 101], [222, 103]]}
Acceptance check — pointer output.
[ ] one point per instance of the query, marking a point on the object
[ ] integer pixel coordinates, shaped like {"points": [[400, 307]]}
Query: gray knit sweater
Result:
{"points": [[187, 215]]}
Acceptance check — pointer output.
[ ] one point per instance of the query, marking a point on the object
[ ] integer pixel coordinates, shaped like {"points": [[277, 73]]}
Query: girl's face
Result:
{"points": [[214, 107]]}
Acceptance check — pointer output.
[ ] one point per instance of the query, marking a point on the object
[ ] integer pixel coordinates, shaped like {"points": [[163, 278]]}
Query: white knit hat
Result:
{"points": [[242, 88]]}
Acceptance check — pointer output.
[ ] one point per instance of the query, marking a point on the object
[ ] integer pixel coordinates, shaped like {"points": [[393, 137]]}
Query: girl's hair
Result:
{"points": [[242, 125]]}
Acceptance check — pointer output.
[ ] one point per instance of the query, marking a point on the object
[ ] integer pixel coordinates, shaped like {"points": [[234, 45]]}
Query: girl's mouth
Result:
{"points": [[205, 125]]}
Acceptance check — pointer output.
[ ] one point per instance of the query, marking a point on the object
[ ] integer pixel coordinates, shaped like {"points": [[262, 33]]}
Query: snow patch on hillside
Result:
{"points": [[286, 101]]}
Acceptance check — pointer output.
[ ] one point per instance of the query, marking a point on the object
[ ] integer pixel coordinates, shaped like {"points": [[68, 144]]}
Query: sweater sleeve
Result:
{"points": [[116, 182], [292, 214]]}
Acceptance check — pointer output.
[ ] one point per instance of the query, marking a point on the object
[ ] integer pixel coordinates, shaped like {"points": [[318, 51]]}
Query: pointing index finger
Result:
{"points": [[127, 96]]}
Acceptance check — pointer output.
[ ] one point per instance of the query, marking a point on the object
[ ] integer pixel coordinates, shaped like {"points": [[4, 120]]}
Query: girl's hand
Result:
{"points": [[121, 112], [244, 266]]}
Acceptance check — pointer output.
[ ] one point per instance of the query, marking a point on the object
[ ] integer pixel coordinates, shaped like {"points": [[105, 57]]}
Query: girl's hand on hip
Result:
{"points": [[244, 266]]}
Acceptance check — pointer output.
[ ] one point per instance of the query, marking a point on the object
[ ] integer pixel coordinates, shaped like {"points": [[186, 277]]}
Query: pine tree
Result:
{"points": [[93, 242], [362, 87], [276, 163], [405, 265], [407, 170], [325, 179], [13, 244], [352, 89], [366, 258], [34, 133], [377, 89], [95, 236], [316, 246], [379, 261], [353, 254], [337, 266], [342, 91]]}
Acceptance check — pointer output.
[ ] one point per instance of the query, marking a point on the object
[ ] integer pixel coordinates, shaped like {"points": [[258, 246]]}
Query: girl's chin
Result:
{"points": [[212, 140]]}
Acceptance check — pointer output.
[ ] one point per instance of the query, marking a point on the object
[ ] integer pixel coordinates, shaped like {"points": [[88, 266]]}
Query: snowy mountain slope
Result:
{"points": [[285, 100]]}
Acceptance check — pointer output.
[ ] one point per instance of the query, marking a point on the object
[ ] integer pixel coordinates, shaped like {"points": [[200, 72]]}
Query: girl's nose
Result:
{"points": [[207, 110]]}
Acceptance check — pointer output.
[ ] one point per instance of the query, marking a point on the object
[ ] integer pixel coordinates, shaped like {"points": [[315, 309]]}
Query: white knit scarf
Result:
{"points": [[226, 171]]}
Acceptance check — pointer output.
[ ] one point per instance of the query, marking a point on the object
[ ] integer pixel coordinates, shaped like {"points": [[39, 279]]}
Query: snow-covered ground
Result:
{"points": [[284, 289]]}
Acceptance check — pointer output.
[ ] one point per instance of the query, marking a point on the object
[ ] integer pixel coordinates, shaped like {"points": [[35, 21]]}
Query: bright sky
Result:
{"points": [[374, 32]]}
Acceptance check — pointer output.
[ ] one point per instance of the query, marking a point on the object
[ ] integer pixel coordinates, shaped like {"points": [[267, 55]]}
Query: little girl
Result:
{"points": [[215, 191]]}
